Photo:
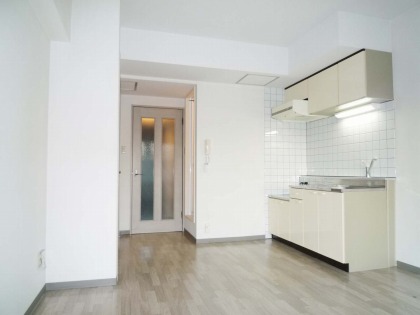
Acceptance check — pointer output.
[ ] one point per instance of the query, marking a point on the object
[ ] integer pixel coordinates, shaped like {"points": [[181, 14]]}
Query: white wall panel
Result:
{"points": [[406, 52], [230, 190], [83, 128], [24, 64]]}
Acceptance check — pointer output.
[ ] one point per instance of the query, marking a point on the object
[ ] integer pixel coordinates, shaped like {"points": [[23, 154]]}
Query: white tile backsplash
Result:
{"points": [[285, 148], [337, 147], [326, 147]]}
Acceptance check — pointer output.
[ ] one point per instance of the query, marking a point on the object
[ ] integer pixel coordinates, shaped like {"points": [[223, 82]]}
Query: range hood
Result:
{"points": [[294, 110]]}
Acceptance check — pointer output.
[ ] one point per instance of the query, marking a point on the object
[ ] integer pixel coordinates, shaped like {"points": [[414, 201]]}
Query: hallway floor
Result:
{"points": [[168, 274]]}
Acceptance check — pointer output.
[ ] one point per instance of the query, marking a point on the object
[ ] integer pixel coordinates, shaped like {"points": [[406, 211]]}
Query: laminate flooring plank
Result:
{"points": [[166, 273]]}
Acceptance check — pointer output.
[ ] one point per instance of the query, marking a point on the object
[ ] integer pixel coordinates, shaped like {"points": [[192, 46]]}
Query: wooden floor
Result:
{"points": [[168, 274]]}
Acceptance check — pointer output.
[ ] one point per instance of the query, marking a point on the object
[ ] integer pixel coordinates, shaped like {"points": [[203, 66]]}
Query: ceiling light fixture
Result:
{"points": [[355, 111]]}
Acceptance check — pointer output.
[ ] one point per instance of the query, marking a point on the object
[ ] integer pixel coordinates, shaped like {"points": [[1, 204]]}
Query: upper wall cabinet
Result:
{"points": [[367, 74], [362, 78], [298, 91], [323, 91]]}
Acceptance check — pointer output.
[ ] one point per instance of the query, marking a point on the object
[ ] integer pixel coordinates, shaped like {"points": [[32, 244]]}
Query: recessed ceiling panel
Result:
{"points": [[254, 79]]}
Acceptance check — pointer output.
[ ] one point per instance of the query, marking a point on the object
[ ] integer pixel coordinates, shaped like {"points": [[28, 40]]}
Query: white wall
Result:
{"points": [[64, 10], [230, 190], [24, 64], [364, 32], [334, 38], [406, 52], [83, 128], [202, 52], [54, 17], [315, 49], [127, 101]]}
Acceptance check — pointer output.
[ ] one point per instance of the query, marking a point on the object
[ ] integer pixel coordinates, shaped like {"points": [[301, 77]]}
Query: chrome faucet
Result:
{"points": [[369, 168]]}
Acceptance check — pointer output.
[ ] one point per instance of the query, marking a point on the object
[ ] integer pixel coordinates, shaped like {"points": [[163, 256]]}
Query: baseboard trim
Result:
{"points": [[124, 232], [188, 235], [230, 239], [81, 284], [332, 262], [408, 267], [34, 305]]}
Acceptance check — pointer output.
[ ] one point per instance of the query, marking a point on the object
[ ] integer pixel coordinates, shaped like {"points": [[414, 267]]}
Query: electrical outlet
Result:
{"points": [[206, 228], [41, 259]]}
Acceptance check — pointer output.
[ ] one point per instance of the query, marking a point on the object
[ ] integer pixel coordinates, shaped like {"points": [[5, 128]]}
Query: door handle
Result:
{"points": [[136, 173]]}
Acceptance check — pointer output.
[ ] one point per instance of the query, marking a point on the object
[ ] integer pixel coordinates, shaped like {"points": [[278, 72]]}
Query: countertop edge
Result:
{"points": [[280, 197], [338, 190]]}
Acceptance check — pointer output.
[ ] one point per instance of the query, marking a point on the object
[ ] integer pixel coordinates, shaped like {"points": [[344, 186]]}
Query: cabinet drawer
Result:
{"points": [[296, 193]]}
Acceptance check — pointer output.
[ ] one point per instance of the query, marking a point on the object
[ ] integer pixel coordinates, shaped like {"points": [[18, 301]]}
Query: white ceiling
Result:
{"points": [[271, 22]]}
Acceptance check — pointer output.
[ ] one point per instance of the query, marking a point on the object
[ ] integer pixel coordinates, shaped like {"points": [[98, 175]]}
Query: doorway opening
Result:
{"points": [[157, 157]]}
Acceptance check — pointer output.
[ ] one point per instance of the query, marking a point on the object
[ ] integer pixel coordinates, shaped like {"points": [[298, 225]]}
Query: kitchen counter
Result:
{"points": [[312, 187], [334, 188], [339, 188], [280, 197]]}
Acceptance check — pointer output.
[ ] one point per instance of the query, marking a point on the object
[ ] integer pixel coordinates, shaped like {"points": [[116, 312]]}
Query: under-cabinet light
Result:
{"points": [[271, 133], [355, 111], [361, 101]]}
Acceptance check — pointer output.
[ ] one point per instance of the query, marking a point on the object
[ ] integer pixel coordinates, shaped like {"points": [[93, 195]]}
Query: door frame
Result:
{"points": [[182, 161]]}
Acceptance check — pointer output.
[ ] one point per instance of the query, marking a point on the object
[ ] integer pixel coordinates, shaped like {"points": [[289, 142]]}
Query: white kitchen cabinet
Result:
{"points": [[273, 216], [310, 219], [351, 228], [367, 238], [296, 221], [284, 220], [279, 218], [298, 91], [331, 227], [323, 91], [366, 74]]}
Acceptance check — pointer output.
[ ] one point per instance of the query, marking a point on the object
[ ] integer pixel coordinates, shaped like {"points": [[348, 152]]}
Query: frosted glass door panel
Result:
{"points": [[147, 162], [168, 165], [157, 170]]}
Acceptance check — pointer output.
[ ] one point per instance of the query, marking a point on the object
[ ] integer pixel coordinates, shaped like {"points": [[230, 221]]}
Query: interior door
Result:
{"points": [[157, 170]]}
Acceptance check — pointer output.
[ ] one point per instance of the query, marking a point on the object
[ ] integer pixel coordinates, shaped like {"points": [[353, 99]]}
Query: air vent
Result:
{"points": [[128, 86]]}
